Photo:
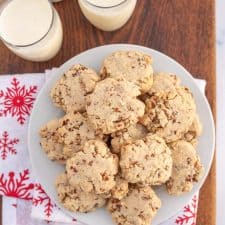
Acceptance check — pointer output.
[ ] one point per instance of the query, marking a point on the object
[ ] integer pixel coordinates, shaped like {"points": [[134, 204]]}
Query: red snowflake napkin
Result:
{"points": [[17, 95]]}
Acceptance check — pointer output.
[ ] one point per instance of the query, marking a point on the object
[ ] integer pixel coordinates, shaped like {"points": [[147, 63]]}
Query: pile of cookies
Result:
{"points": [[124, 132]]}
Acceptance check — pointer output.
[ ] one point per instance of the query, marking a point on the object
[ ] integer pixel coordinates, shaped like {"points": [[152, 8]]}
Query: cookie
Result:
{"points": [[138, 207], [170, 115], [127, 135], [130, 65], [163, 82], [75, 131], [187, 168], [93, 168], [120, 189], [51, 142], [194, 131], [113, 105], [75, 200], [70, 90], [146, 161]]}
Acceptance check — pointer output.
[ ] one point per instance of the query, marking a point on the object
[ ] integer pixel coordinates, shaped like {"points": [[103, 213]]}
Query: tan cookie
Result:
{"points": [[93, 168], [127, 135], [146, 161], [187, 168], [75, 131], [70, 90], [130, 65], [120, 189], [50, 141], [163, 82], [138, 207], [194, 131], [170, 115], [75, 200], [113, 105]]}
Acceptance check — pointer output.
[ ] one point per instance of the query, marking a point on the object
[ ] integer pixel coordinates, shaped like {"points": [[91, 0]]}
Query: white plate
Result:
{"points": [[44, 110]]}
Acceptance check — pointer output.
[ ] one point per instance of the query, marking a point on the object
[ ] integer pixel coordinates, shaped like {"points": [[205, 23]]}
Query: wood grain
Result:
{"points": [[185, 30]]}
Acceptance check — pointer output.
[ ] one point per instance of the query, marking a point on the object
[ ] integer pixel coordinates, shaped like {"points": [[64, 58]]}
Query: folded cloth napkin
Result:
{"points": [[26, 199]]}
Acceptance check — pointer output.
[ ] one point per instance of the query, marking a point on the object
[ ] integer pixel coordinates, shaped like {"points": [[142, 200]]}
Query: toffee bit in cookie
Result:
{"points": [[194, 131]]}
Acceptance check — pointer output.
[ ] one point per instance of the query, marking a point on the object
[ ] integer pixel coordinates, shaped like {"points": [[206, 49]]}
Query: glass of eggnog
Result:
{"points": [[107, 15], [31, 29]]}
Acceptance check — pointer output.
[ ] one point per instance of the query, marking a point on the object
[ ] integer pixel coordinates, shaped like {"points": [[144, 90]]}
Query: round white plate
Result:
{"points": [[44, 110]]}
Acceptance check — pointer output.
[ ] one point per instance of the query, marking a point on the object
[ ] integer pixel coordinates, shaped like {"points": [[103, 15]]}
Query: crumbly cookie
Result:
{"points": [[164, 82], [127, 135], [75, 131], [195, 130], [75, 200], [51, 142], [70, 90], [138, 207], [170, 115], [93, 168], [146, 161], [130, 65], [187, 168], [120, 189], [113, 105]]}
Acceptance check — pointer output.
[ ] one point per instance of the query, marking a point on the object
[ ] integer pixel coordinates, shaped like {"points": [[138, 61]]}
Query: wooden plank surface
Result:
{"points": [[185, 30]]}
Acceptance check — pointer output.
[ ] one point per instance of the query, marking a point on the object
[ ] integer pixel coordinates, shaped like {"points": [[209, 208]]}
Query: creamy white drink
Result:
{"points": [[32, 29], [107, 15]]}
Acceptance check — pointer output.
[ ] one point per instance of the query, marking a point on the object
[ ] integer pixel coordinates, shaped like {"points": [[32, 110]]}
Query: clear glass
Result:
{"points": [[105, 16], [42, 49]]}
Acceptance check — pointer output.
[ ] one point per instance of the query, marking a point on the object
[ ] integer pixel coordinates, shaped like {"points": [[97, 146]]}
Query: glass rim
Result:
{"points": [[39, 40], [105, 7]]}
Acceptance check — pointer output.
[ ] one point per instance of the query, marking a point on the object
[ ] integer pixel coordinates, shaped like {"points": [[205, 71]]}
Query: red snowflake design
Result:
{"points": [[17, 100], [7, 145], [43, 199], [189, 214], [16, 186]]}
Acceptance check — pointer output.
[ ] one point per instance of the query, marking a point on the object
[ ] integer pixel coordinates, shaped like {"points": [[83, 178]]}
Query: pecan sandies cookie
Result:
{"points": [[113, 105], [130, 65], [70, 90]]}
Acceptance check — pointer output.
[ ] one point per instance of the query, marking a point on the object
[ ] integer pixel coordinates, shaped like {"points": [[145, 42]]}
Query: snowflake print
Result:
{"points": [[189, 214], [43, 199], [17, 100], [7, 145], [17, 187]]}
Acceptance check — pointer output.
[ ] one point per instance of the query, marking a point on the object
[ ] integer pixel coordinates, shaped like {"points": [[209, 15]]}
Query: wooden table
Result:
{"points": [[185, 30]]}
